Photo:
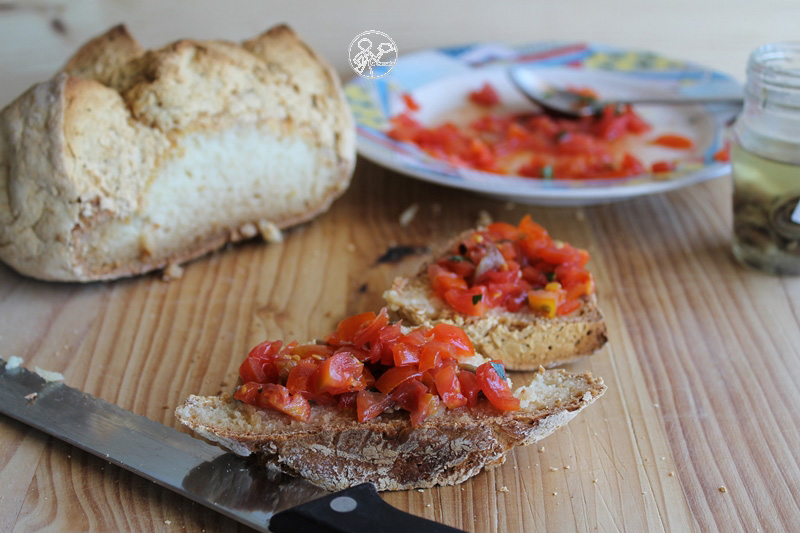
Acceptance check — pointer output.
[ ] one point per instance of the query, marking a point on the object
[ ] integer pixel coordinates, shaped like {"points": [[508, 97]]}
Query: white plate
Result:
{"points": [[440, 80]]}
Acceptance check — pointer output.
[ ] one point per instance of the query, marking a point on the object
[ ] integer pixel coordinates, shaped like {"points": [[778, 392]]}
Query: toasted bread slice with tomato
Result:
{"points": [[334, 450], [523, 340]]}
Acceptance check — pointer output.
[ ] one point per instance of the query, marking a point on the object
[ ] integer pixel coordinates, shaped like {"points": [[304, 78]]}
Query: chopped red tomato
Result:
{"points": [[299, 380], [486, 96], [405, 354], [511, 267], [469, 386], [671, 140], [662, 166], [723, 155], [471, 301], [337, 374], [426, 406], [408, 394], [371, 404], [535, 145], [417, 370], [348, 327], [453, 336], [395, 376], [411, 104], [278, 398], [449, 387], [492, 380], [248, 393]]}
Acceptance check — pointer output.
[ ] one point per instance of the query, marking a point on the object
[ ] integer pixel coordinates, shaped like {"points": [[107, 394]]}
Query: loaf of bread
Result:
{"points": [[129, 161], [336, 451]]}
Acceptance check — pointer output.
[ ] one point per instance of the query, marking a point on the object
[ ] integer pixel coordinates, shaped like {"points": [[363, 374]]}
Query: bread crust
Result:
{"points": [[522, 340], [83, 156], [335, 451]]}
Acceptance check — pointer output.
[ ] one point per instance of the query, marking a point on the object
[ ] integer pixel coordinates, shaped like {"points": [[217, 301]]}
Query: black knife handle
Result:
{"points": [[356, 510]]}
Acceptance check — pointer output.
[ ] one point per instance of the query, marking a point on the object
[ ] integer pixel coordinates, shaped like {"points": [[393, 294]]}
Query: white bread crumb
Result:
{"points": [[269, 231], [484, 218], [14, 362], [408, 215], [173, 271], [48, 375], [248, 230]]}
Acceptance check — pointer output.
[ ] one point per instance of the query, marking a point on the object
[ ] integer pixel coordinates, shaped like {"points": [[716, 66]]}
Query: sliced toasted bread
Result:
{"points": [[523, 340], [336, 451]]}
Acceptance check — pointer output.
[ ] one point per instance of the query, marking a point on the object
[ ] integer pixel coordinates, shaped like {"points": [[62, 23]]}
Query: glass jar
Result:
{"points": [[765, 161]]}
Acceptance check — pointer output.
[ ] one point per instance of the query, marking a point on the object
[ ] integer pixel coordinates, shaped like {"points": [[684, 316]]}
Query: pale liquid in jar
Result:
{"points": [[766, 194]]}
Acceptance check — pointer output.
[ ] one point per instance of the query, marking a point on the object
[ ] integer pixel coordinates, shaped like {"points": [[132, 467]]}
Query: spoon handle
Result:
{"points": [[679, 100]]}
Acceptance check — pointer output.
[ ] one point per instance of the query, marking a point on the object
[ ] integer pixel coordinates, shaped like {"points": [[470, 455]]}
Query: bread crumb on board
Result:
{"points": [[503, 489], [723, 489], [541, 450], [269, 231], [14, 362], [484, 218], [48, 375], [32, 396], [408, 214], [172, 272]]}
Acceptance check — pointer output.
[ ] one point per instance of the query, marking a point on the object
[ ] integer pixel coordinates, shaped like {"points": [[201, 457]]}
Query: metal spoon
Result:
{"points": [[567, 103]]}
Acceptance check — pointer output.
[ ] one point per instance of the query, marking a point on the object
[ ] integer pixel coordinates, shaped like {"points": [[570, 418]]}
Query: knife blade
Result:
{"points": [[259, 497]]}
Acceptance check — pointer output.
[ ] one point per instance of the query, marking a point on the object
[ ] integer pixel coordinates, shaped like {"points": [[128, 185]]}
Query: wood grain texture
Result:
{"points": [[701, 368], [704, 355]]}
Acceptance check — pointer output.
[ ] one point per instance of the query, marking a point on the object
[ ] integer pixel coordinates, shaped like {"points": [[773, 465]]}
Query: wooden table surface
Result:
{"points": [[702, 366]]}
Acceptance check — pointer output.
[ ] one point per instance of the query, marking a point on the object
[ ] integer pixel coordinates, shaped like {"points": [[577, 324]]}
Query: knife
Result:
{"points": [[259, 497]]}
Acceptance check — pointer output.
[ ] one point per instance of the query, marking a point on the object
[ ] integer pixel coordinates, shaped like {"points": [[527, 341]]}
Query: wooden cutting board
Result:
{"points": [[702, 367]]}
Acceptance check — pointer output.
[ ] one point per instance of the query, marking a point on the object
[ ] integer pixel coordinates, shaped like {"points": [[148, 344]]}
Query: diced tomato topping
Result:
{"points": [[420, 374], [337, 374], [469, 386], [472, 301], [453, 336], [248, 393], [662, 166], [371, 404], [369, 330], [486, 96], [434, 353], [723, 155], [278, 398], [671, 140], [449, 387], [509, 267], [407, 394], [565, 308], [348, 327], [411, 104], [405, 354], [536, 145], [426, 406], [299, 380], [394, 376], [495, 386]]}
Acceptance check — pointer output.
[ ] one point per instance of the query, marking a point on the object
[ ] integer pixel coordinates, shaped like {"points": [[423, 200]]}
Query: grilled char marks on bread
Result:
{"points": [[335, 451], [130, 160]]}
